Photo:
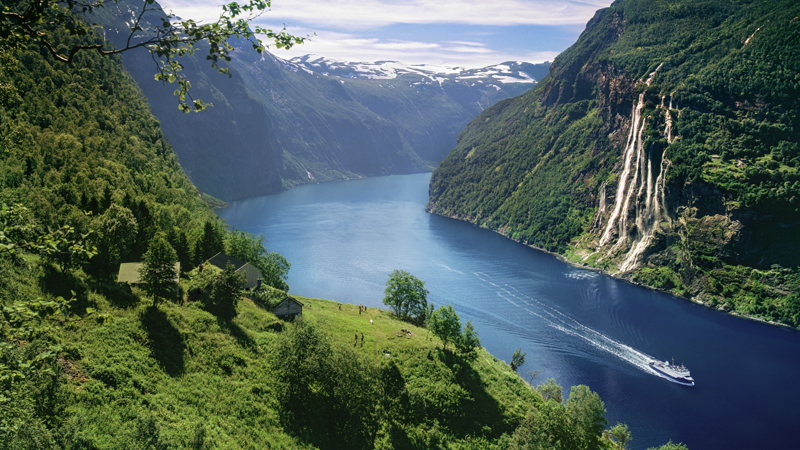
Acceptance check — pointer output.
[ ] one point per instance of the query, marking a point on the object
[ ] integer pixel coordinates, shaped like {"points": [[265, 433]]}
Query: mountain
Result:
{"points": [[277, 123], [429, 105], [497, 75], [663, 148]]}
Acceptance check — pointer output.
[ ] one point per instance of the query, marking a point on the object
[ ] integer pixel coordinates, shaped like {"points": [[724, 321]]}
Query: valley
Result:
{"points": [[658, 155]]}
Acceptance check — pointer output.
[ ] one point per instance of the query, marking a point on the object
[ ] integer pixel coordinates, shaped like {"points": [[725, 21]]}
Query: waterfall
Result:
{"points": [[667, 120], [601, 208], [647, 221], [630, 148], [640, 191]]}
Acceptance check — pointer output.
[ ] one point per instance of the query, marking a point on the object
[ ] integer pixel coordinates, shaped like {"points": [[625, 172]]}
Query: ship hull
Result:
{"points": [[686, 381]]}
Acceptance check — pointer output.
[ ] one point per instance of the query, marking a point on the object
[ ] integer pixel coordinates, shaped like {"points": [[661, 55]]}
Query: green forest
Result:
{"points": [[532, 168], [88, 181]]}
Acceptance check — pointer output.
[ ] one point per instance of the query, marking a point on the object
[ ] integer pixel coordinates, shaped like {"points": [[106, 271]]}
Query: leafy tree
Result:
{"points": [[245, 246], [546, 427], [249, 248], [550, 390], [517, 359], [225, 292], [276, 270], [407, 296], [446, 325], [468, 341], [162, 34], [158, 271], [588, 413], [619, 435], [23, 321], [115, 231], [327, 393], [18, 232]]}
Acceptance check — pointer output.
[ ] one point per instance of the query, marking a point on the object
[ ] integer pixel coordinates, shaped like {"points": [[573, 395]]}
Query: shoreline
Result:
{"points": [[563, 259]]}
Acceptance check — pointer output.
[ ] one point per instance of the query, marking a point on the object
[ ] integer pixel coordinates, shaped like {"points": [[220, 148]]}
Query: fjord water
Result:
{"points": [[576, 325]]}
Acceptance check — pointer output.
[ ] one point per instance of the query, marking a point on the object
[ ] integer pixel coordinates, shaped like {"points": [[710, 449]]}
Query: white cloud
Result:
{"points": [[480, 44], [405, 45], [352, 30], [469, 49], [355, 14], [348, 47]]}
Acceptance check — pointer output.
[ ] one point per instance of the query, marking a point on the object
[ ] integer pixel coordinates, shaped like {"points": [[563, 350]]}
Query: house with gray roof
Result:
{"points": [[289, 308], [251, 273]]}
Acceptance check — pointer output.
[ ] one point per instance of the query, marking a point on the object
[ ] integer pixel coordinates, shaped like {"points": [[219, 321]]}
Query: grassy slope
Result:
{"points": [[192, 371]]}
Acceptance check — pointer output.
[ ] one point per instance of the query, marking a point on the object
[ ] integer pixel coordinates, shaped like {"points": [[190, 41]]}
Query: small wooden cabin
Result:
{"points": [[288, 308]]}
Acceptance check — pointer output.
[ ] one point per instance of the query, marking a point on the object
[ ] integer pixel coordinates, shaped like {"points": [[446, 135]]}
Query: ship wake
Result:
{"points": [[554, 318]]}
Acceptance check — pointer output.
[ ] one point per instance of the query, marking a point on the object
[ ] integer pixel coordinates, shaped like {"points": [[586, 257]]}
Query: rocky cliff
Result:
{"points": [[663, 149]]}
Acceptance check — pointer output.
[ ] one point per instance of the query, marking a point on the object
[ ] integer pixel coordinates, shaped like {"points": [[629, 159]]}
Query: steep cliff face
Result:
{"points": [[663, 148]]}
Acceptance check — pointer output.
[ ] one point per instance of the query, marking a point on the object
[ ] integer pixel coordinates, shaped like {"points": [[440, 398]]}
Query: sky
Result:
{"points": [[450, 33]]}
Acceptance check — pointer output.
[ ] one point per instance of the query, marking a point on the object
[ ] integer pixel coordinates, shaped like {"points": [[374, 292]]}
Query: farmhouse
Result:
{"points": [[289, 308], [251, 273]]}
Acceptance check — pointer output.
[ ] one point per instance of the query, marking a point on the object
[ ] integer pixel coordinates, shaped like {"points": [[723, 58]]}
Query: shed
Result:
{"points": [[288, 308], [129, 273], [251, 273]]}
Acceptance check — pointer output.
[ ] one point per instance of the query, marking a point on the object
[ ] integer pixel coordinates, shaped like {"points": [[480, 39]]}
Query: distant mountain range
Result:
{"points": [[492, 76], [277, 123]]}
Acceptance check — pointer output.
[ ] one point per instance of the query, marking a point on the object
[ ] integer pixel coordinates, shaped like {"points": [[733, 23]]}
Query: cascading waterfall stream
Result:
{"points": [[630, 148], [640, 190]]}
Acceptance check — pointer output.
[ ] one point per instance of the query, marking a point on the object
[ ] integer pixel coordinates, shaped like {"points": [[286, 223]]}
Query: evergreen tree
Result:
{"points": [[177, 239], [213, 240], [158, 271], [105, 201]]}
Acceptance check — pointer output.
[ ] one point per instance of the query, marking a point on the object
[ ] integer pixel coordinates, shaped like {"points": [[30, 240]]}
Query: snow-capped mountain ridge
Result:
{"points": [[507, 72]]}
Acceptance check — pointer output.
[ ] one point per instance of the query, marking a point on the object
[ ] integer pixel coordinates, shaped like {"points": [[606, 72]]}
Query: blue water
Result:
{"points": [[578, 326]]}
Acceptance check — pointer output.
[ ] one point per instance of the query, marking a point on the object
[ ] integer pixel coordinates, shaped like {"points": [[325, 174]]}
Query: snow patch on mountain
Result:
{"points": [[507, 72]]}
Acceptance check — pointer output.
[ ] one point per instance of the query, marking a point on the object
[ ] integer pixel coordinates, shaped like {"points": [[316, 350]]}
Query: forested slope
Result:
{"points": [[80, 147], [663, 148]]}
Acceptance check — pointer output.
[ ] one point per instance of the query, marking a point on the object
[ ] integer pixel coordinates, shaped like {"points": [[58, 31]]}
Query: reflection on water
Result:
{"points": [[576, 325]]}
